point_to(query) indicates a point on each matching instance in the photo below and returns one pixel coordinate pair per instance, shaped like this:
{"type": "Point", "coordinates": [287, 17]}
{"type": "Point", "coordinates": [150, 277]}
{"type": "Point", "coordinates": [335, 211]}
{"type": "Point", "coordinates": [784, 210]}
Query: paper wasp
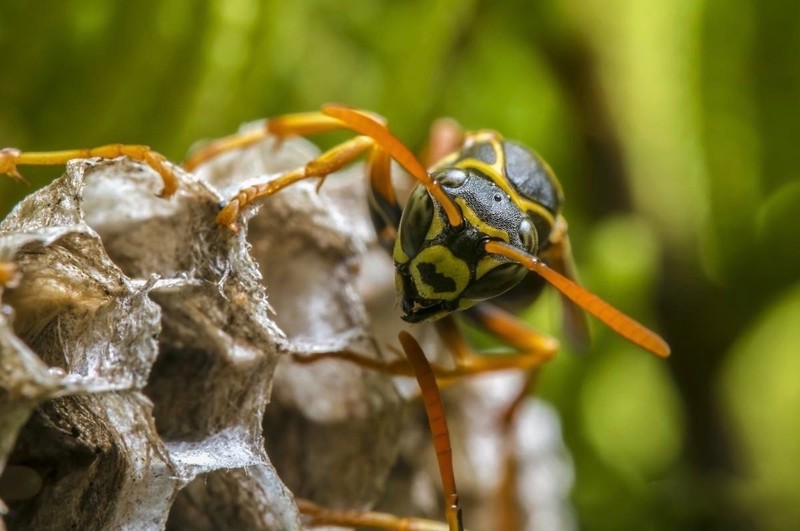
{"type": "Point", "coordinates": [481, 233]}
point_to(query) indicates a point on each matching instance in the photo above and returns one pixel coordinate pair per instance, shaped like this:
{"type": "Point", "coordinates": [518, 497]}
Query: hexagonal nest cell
{"type": "Point", "coordinates": [146, 373]}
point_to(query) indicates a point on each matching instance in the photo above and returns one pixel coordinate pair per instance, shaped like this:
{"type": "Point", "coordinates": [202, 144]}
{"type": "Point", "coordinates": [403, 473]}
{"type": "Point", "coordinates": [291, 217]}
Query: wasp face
{"type": "Point", "coordinates": [440, 268]}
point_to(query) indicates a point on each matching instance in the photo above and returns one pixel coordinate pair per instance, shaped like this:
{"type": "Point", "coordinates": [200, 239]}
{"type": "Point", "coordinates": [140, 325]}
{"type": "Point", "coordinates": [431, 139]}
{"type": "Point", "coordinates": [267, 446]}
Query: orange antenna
{"type": "Point", "coordinates": [615, 319]}
{"type": "Point", "coordinates": [438, 424]}
{"type": "Point", "coordinates": [366, 124]}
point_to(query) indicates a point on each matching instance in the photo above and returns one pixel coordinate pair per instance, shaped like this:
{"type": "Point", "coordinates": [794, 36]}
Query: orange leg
{"type": "Point", "coordinates": [10, 158]}
{"type": "Point", "coordinates": [383, 201]}
{"type": "Point", "coordinates": [533, 349]}
{"type": "Point", "coordinates": [384, 209]}
{"type": "Point", "coordinates": [327, 163]}
{"type": "Point", "coordinates": [301, 124]}
{"type": "Point", "coordinates": [397, 367]}
{"type": "Point", "coordinates": [321, 516]}
{"type": "Point", "coordinates": [537, 350]}
{"type": "Point", "coordinates": [332, 117]}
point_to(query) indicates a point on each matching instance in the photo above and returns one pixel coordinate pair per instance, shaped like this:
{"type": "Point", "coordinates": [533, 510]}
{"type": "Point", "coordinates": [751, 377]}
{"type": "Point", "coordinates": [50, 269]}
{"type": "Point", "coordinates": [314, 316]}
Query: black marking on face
{"type": "Point", "coordinates": [439, 282]}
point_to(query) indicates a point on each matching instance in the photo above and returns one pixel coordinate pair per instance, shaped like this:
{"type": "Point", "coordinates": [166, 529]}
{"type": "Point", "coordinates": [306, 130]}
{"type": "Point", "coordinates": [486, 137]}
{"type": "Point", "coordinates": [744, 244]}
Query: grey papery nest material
{"type": "Point", "coordinates": [138, 355]}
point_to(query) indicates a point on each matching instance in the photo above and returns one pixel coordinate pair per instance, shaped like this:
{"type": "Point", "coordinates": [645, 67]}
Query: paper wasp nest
{"type": "Point", "coordinates": [139, 344]}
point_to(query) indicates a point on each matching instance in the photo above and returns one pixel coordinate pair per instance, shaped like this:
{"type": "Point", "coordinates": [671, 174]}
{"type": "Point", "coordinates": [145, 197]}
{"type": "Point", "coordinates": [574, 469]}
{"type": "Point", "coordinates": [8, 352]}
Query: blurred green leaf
{"type": "Point", "coordinates": [758, 386]}
{"type": "Point", "coordinates": [632, 414]}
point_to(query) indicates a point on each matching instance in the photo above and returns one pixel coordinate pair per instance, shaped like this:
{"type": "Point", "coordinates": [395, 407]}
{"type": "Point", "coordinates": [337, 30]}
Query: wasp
{"type": "Point", "coordinates": [480, 234]}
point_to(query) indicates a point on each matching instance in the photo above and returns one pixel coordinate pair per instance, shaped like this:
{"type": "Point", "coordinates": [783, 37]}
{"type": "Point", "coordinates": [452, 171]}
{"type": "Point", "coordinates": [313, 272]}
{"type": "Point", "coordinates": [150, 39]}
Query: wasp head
{"type": "Point", "coordinates": [441, 268]}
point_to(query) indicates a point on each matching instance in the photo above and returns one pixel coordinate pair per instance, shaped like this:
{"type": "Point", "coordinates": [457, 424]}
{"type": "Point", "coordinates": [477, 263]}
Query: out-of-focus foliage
{"type": "Point", "coordinates": [765, 363]}
{"type": "Point", "coordinates": [672, 124]}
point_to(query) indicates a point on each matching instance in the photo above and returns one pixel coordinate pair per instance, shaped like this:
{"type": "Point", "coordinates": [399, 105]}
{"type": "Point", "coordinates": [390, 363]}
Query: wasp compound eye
{"type": "Point", "coordinates": [528, 235]}
{"type": "Point", "coordinates": [416, 220]}
{"type": "Point", "coordinates": [451, 177]}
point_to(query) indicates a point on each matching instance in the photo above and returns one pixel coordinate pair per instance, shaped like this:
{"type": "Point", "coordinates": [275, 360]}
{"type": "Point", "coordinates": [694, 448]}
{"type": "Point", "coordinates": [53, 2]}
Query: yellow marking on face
{"type": "Point", "coordinates": [436, 228]}
{"type": "Point", "coordinates": [486, 264]}
{"type": "Point", "coordinates": [444, 267]}
{"type": "Point", "coordinates": [398, 254]}
{"type": "Point", "coordinates": [478, 223]}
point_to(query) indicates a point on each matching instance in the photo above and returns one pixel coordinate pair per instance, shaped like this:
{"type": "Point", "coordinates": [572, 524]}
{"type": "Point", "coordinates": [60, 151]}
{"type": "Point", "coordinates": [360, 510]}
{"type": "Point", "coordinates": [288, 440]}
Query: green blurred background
{"type": "Point", "coordinates": [671, 123]}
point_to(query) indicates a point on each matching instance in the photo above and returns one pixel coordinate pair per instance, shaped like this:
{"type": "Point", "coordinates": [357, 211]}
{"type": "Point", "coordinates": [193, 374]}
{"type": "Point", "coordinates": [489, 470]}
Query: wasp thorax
{"type": "Point", "coordinates": [440, 268]}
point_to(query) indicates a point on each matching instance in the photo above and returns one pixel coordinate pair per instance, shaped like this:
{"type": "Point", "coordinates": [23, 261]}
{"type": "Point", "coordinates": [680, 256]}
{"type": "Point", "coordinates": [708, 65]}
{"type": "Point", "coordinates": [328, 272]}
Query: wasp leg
{"type": "Point", "coordinates": [321, 516]}
{"type": "Point", "coordinates": [384, 209]}
{"type": "Point", "coordinates": [397, 367]}
{"type": "Point", "coordinates": [300, 124]}
{"type": "Point", "coordinates": [329, 162]}
{"type": "Point", "coordinates": [10, 158]}
{"type": "Point", "coordinates": [8, 164]}
{"type": "Point", "coordinates": [534, 349]}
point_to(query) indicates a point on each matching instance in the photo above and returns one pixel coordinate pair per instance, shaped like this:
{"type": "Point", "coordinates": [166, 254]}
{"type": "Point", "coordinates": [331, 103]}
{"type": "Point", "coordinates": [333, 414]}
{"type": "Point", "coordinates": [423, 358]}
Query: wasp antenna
{"type": "Point", "coordinates": [368, 124]}
{"type": "Point", "coordinates": [613, 318]}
